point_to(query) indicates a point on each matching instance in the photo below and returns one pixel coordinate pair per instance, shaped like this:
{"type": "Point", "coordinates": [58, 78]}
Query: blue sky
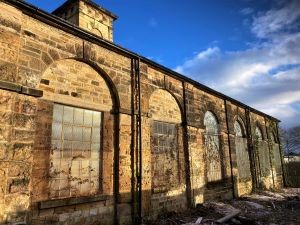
{"type": "Point", "coordinates": [247, 49]}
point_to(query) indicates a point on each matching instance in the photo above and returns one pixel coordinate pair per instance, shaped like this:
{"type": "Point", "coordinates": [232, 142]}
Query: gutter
{"type": "Point", "coordinates": [62, 24]}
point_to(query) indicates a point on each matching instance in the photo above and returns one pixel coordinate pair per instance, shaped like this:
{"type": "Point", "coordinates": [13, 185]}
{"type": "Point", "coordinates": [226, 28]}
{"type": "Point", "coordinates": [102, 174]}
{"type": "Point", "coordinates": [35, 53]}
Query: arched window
{"type": "Point", "coordinates": [273, 137]}
{"type": "Point", "coordinates": [242, 156]}
{"type": "Point", "coordinates": [238, 130]}
{"type": "Point", "coordinates": [258, 134]}
{"type": "Point", "coordinates": [166, 141]}
{"type": "Point", "coordinates": [211, 123]}
{"type": "Point", "coordinates": [212, 144]}
{"type": "Point", "coordinates": [75, 126]}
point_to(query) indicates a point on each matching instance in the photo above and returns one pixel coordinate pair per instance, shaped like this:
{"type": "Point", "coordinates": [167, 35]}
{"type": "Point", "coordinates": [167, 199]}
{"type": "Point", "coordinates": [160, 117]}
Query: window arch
{"type": "Point", "coordinates": [74, 141]}
{"type": "Point", "coordinates": [166, 141]}
{"type": "Point", "coordinates": [273, 137]}
{"type": "Point", "coordinates": [212, 145]}
{"type": "Point", "coordinates": [211, 123]}
{"type": "Point", "coordinates": [238, 129]}
{"type": "Point", "coordinates": [258, 134]}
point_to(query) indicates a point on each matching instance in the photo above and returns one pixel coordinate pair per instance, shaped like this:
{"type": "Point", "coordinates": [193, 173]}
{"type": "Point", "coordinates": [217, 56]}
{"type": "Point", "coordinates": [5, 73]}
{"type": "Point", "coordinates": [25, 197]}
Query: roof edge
{"type": "Point", "coordinates": [60, 23]}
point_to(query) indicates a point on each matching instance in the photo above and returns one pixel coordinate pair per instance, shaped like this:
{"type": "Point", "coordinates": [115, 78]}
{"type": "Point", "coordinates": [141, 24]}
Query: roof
{"type": "Point", "coordinates": [90, 2]}
{"type": "Point", "coordinates": [62, 24]}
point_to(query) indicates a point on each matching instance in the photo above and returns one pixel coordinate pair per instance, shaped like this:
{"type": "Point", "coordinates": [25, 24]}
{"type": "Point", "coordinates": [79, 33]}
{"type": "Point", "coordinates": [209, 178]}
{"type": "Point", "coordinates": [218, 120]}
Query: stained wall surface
{"type": "Point", "coordinates": [110, 166]}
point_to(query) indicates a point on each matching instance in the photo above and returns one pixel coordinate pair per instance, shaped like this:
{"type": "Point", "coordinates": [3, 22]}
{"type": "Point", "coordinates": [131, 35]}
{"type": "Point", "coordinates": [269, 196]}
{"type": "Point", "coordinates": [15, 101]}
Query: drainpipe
{"type": "Point", "coordinates": [281, 157]}
{"type": "Point", "coordinates": [136, 143]}
{"type": "Point", "coordinates": [189, 191]}
{"type": "Point", "coordinates": [252, 155]}
{"type": "Point", "coordinates": [269, 146]}
{"type": "Point", "coordinates": [229, 146]}
{"type": "Point", "coordinates": [140, 140]}
{"type": "Point", "coordinates": [133, 145]}
{"type": "Point", "coordinates": [116, 163]}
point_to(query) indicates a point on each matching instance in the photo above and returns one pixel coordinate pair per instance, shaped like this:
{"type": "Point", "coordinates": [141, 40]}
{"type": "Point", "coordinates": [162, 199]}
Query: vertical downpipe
{"type": "Point", "coordinates": [251, 150]}
{"type": "Point", "coordinates": [270, 150]}
{"type": "Point", "coordinates": [188, 178]}
{"type": "Point", "coordinates": [140, 144]}
{"type": "Point", "coordinates": [229, 146]}
{"type": "Point", "coordinates": [116, 111]}
{"type": "Point", "coordinates": [281, 157]}
{"type": "Point", "coordinates": [133, 144]}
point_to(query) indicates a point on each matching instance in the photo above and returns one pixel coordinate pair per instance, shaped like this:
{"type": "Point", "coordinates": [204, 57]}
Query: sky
{"type": "Point", "coordinates": [246, 49]}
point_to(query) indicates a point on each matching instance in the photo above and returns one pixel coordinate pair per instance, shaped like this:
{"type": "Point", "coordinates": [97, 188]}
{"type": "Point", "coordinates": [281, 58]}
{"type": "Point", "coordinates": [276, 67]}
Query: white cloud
{"type": "Point", "coordinates": [276, 20]}
{"type": "Point", "coordinates": [247, 11]}
{"type": "Point", "coordinates": [267, 74]}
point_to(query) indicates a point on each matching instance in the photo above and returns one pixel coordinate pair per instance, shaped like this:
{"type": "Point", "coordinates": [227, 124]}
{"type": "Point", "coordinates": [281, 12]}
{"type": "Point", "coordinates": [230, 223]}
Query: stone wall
{"type": "Point", "coordinates": [18, 125]}
{"type": "Point", "coordinates": [78, 72]}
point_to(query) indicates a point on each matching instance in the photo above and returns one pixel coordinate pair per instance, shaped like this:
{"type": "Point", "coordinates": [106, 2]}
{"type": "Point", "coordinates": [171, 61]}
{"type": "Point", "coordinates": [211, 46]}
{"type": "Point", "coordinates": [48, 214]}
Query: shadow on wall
{"type": "Point", "coordinates": [292, 172]}
{"type": "Point", "coordinates": [98, 213]}
{"type": "Point", "coordinates": [17, 217]}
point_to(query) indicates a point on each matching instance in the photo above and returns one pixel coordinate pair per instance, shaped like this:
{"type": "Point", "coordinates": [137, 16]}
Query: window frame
{"type": "Point", "coordinates": [165, 187]}
{"type": "Point", "coordinates": [99, 192]}
{"type": "Point", "coordinates": [216, 133]}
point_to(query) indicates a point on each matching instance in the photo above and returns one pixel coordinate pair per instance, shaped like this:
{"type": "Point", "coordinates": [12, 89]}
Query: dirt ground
{"type": "Point", "coordinates": [260, 208]}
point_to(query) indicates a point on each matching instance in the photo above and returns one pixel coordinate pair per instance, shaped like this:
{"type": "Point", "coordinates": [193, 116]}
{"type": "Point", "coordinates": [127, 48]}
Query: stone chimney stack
{"type": "Point", "coordinates": [89, 16]}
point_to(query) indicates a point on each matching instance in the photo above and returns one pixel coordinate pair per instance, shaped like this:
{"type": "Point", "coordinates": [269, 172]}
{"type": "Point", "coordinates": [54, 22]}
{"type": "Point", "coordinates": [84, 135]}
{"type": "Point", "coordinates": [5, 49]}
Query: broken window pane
{"type": "Point", "coordinates": [75, 145]}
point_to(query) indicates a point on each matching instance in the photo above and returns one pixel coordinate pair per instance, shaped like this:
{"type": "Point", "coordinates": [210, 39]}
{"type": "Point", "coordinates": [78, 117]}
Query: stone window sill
{"type": "Point", "coordinates": [71, 201]}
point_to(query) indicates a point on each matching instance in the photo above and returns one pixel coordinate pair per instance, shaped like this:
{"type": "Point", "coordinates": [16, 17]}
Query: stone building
{"type": "Point", "coordinates": [92, 133]}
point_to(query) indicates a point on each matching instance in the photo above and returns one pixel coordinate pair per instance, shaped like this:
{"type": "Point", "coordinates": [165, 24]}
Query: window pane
{"type": "Point", "coordinates": [88, 117]}
{"type": "Point", "coordinates": [56, 131]}
{"type": "Point", "coordinates": [67, 133]}
{"type": "Point", "coordinates": [57, 113]}
{"type": "Point", "coordinates": [87, 134]}
{"type": "Point", "coordinates": [68, 114]}
{"type": "Point", "coordinates": [77, 133]}
{"type": "Point", "coordinates": [76, 150]}
{"type": "Point", "coordinates": [95, 148]}
{"type": "Point", "coordinates": [96, 135]}
{"type": "Point", "coordinates": [78, 116]}
{"type": "Point", "coordinates": [96, 119]}
{"type": "Point", "coordinates": [67, 151]}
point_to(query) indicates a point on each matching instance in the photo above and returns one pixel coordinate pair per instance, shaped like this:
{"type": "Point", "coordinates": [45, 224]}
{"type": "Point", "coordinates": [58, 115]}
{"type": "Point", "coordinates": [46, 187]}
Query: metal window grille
{"type": "Point", "coordinates": [164, 155]}
{"type": "Point", "coordinates": [75, 152]}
